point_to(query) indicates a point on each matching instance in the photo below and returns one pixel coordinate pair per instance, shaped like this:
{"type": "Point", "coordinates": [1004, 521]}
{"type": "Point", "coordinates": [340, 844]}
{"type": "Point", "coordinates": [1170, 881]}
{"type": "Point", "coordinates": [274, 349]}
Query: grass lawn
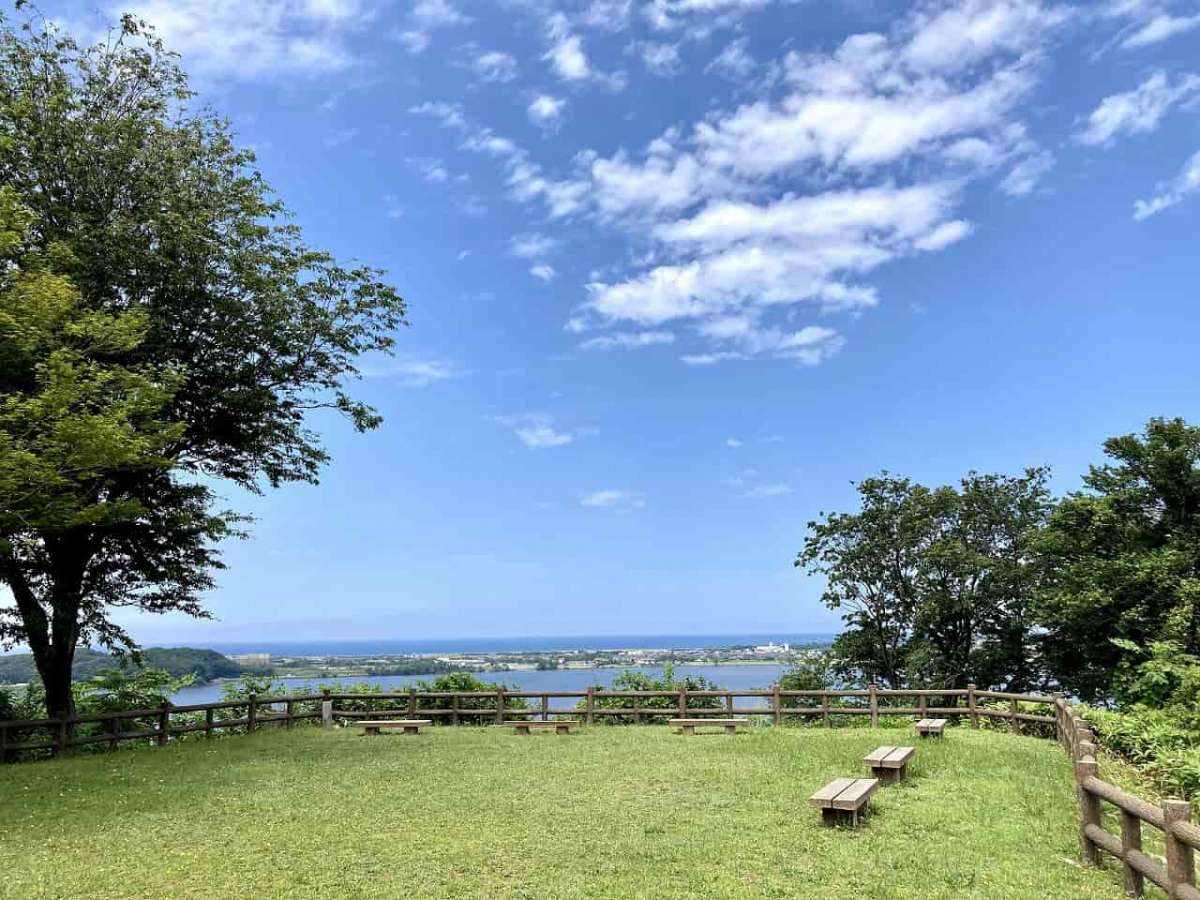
{"type": "Point", "coordinates": [608, 812]}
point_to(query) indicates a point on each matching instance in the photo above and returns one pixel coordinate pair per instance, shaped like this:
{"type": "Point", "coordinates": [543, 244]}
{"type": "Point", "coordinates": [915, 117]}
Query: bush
{"type": "Point", "coordinates": [641, 681]}
{"type": "Point", "coordinates": [454, 682]}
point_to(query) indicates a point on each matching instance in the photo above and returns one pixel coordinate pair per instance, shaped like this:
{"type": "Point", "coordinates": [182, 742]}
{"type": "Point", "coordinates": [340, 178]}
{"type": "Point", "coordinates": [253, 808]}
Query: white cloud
{"type": "Point", "coordinates": [1024, 176]}
{"type": "Point", "coordinates": [492, 65]}
{"type": "Point", "coordinates": [543, 272]}
{"type": "Point", "coordinates": [944, 235]}
{"type": "Point", "coordinates": [539, 436]}
{"type": "Point", "coordinates": [568, 58]}
{"type": "Point", "coordinates": [732, 442]}
{"type": "Point", "coordinates": [255, 41]}
{"type": "Point", "coordinates": [660, 59]}
{"type": "Point", "coordinates": [1139, 110]}
{"type": "Point", "coordinates": [625, 340]}
{"type": "Point", "coordinates": [413, 41]}
{"type": "Point", "coordinates": [612, 499]}
{"type": "Point", "coordinates": [1187, 182]}
{"type": "Point", "coordinates": [734, 61]}
{"type": "Point", "coordinates": [532, 246]}
{"type": "Point", "coordinates": [765, 491]}
{"type": "Point", "coordinates": [430, 168]}
{"type": "Point", "coordinates": [952, 37]}
{"type": "Point", "coordinates": [537, 431]}
{"type": "Point", "coordinates": [1160, 28]}
{"type": "Point", "coordinates": [607, 15]}
{"type": "Point", "coordinates": [545, 111]}
{"type": "Point", "coordinates": [412, 371]}
{"type": "Point", "coordinates": [392, 206]}
{"type": "Point", "coordinates": [438, 14]}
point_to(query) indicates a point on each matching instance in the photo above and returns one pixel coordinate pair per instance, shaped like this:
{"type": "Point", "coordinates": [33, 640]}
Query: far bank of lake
{"type": "Point", "coordinates": [731, 677]}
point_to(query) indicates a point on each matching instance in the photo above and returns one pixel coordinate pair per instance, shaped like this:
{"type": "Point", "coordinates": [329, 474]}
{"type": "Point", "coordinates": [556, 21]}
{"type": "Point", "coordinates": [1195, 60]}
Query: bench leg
{"type": "Point", "coordinates": [829, 817]}
{"type": "Point", "coordinates": [412, 729]}
{"type": "Point", "coordinates": [687, 729]}
{"type": "Point", "coordinates": [562, 729]}
{"type": "Point", "coordinates": [367, 731]}
{"type": "Point", "coordinates": [731, 729]}
{"type": "Point", "coordinates": [521, 729]}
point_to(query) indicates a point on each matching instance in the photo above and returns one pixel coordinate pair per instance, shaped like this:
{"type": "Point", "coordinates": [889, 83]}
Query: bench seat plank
{"type": "Point", "coordinates": [899, 757]}
{"type": "Point", "coordinates": [825, 796]}
{"type": "Point", "coordinates": [856, 795]}
{"type": "Point", "coordinates": [707, 721]}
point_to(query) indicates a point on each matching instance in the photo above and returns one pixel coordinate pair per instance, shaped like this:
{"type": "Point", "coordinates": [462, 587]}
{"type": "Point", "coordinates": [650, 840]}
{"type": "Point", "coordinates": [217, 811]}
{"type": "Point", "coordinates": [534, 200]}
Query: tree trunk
{"type": "Point", "coordinates": [54, 667]}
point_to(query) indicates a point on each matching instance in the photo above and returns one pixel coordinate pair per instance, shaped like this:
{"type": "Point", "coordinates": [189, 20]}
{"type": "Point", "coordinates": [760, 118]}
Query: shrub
{"type": "Point", "coordinates": [642, 681]}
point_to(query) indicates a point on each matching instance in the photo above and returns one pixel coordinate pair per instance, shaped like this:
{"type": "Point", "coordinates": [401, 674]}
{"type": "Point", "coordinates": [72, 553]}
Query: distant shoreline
{"type": "Point", "coordinates": [659, 643]}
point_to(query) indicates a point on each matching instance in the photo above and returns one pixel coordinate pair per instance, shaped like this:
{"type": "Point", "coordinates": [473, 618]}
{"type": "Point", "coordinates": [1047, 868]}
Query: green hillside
{"type": "Point", "coordinates": [206, 665]}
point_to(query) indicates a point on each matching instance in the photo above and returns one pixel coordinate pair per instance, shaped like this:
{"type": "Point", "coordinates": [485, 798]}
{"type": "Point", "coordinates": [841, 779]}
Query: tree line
{"type": "Point", "coordinates": [994, 581]}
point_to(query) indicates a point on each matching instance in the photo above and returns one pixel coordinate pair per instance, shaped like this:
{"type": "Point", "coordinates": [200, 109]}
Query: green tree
{"type": "Point", "coordinates": [870, 561]}
{"type": "Point", "coordinates": [935, 583]}
{"type": "Point", "coordinates": [163, 328]}
{"type": "Point", "coordinates": [1123, 558]}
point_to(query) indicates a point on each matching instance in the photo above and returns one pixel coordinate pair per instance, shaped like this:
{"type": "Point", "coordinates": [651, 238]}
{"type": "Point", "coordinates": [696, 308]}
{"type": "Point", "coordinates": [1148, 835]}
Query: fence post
{"type": "Point", "coordinates": [874, 704]}
{"type": "Point", "coordinates": [683, 703]}
{"type": "Point", "coordinates": [455, 707]}
{"type": "Point", "coordinates": [252, 713]}
{"type": "Point", "coordinates": [60, 737]}
{"type": "Point", "coordinates": [1060, 730]}
{"type": "Point", "coordinates": [972, 704]}
{"type": "Point", "coordinates": [729, 706]}
{"type": "Point", "coordinates": [3, 743]}
{"type": "Point", "coordinates": [591, 705]}
{"type": "Point", "coordinates": [114, 731]}
{"type": "Point", "coordinates": [778, 705]}
{"type": "Point", "coordinates": [1014, 724]}
{"type": "Point", "coordinates": [545, 708]}
{"type": "Point", "coordinates": [499, 706]}
{"type": "Point", "coordinates": [164, 723]}
{"type": "Point", "coordinates": [922, 705]}
{"type": "Point", "coordinates": [412, 703]}
{"type": "Point", "coordinates": [1089, 810]}
{"type": "Point", "coordinates": [208, 722]}
{"type": "Point", "coordinates": [287, 711]}
{"type": "Point", "coordinates": [825, 709]}
{"type": "Point", "coordinates": [1181, 867]}
{"type": "Point", "coordinates": [1131, 839]}
{"type": "Point", "coordinates": [326, 709]}
{"type": "Point", "coordinates": [637, 710]}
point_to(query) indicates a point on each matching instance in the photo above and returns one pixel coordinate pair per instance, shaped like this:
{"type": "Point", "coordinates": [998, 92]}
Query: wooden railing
{"type": "Point", "coordinates": [1175, 875]}
{"type": "Point", "coordinates": [153, 725]}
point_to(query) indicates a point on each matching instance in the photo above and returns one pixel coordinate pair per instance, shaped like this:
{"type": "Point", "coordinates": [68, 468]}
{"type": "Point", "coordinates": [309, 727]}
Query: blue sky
{"type": "Point", "coordinates": [681, 270]}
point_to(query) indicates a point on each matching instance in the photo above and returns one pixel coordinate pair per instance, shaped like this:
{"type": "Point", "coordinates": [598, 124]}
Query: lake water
{"type": "Point", "coordinates": [728, 677]}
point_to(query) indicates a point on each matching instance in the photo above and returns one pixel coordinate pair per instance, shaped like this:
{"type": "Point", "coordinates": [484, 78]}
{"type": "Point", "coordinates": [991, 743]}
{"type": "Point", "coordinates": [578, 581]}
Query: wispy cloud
{"type": "Point", "coordinates": [538, 430]}
{"type": "Point", "coordinates": [1137, 111]}
{"type": "Point", "coordinates": [1187, 182]}
{"type": "Point", "coordinates": [612, 498]}
{"type": "Point", "coordinates": [624, 340]}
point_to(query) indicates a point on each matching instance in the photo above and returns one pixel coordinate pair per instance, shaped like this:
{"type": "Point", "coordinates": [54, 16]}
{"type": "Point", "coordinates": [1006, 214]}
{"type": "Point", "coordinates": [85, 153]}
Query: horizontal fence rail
{"type": "Point", "coordinates": [161, 723]}
{"type": "Point", "coordinates": [1174, 873]}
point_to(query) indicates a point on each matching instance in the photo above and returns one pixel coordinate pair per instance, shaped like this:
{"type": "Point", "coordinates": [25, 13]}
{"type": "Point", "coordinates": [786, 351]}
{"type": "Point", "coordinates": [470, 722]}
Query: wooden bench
{"type": "Point", "coordinates": [562, 726]}
{"type": "Point", "coordinates": [409, 726]}
{"type": "Point", "coordinates": [889, 763]}
{"type": "Point", "coordinates": [689, 726]}
{"type": "Point", "coordinates": [844, 796]}
{"type": "Point", "coordinates": [935, 727]}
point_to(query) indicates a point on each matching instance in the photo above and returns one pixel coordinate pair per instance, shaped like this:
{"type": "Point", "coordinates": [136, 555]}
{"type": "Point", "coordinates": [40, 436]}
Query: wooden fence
{"type": "Point", "coordinates": [1176, 875]}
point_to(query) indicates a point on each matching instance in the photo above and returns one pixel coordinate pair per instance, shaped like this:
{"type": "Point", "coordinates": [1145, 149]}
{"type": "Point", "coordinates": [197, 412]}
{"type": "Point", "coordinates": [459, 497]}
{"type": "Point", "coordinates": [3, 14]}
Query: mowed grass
{"type": "Point", "coordinates": [607, 812]}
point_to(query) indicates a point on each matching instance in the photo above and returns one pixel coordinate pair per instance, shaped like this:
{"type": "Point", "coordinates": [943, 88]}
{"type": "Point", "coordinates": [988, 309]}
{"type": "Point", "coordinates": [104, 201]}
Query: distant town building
{"type": "Point", "coordinates": [772, 647]}
{"type": "Point", "coordinates": [255, 660]}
